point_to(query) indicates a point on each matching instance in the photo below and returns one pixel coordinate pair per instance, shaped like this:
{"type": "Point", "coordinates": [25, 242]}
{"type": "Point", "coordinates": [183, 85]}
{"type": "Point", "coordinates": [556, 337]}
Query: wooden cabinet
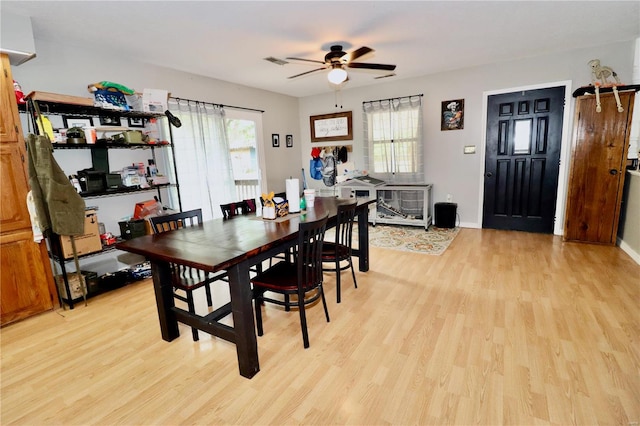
{"type": "Point", "coordinates": [26, 281]}
{"type": "Point", "coordinates": [598, 161]}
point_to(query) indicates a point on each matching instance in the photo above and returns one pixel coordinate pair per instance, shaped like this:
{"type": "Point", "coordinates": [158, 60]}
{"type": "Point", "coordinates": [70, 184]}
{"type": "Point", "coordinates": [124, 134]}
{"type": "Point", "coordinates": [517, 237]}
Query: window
{"type": "Point", "coordinates": [393, 131]}
{"type": "Point", "coordinates": [217, 155]}
{"type": "Point", "coordinates": [243, 130]}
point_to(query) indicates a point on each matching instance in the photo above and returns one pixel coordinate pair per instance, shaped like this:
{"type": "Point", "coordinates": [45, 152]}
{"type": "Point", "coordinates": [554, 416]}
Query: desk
{"type": "Point", "coordinates": [233, 245]}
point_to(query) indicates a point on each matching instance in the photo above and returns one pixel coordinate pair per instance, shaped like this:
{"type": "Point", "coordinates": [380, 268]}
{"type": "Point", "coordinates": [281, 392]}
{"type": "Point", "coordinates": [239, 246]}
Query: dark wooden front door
{"type": "Point", "coordinates": [524, 134]}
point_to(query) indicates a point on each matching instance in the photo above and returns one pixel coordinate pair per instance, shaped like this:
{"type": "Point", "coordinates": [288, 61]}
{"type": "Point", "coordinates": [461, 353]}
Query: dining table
{"type": "Point", "coordinates": [233, 245]}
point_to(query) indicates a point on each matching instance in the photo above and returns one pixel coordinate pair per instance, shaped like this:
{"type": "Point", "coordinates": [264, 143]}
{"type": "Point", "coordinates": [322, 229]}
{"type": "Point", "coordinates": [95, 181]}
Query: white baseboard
{"type": "Point", "coordinates": [630, 251]}
{"type": "Point", "coordinates": [469, 225]}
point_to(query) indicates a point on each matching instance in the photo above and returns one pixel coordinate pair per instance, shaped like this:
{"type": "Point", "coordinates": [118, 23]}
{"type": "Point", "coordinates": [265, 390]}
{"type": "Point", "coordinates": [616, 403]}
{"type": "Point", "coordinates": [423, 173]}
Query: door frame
{"type": "Point", "coordinates": [565, 148]}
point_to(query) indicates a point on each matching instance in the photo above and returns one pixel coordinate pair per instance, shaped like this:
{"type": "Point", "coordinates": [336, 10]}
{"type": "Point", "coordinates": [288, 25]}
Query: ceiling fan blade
{"type": "Point", "coordinates": [308, 72]}
{"type": "Point", "coordinates": [364, 65]}
{"type": "Point", "coordinates": [393, 74]}
{"type": "Point", "coordinates": [306, 60]}
{"type": "Point", "coordinates": [357, 53]}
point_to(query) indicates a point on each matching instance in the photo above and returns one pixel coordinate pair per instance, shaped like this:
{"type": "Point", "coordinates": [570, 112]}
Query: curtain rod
{"type": "Point", "coordinates": [214, 104]}
{"type": "Point", "coordinates": [393, 99]}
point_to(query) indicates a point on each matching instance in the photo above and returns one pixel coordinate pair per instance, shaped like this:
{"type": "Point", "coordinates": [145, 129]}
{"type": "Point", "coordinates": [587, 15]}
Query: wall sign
{"type": "Point", "coordinates": [331, 127]}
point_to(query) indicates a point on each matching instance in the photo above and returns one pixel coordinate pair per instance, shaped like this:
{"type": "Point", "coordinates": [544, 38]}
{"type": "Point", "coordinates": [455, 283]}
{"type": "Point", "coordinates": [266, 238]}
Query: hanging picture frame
{"type": "Point", "coordinates": [135, 121]}
{"type": "Point", "coordinates": [289, 141]}
{"type": "Point", "coordinates": [275, 140]}
{"type": "Point", "coordinates": [76, 121]}
{"type": "Point", "coordinates": [110, 120]}
{"type": "Point", "coordinates": [331, 127]}
{"type": "Point", "coordinates": [452, 115]}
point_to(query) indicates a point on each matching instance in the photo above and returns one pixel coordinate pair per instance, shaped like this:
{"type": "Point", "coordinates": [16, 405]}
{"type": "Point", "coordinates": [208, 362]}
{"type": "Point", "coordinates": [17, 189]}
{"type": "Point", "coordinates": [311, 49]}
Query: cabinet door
{"type": "Point", "coordinates": [601, 141]}
{"type": "Point", "coordinates": [26, 281]}
{"type": "Point", "coordinates": [8, 121]}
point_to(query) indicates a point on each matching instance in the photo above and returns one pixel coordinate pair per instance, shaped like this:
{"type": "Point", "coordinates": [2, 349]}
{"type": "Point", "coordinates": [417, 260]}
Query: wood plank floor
{"type": "Point", "coordinates": [503, 328]}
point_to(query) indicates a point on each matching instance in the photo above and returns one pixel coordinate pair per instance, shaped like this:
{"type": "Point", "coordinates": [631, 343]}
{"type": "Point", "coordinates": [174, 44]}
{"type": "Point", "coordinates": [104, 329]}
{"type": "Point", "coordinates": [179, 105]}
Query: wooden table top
{"type": "Point", "coordinates": [218, 244]}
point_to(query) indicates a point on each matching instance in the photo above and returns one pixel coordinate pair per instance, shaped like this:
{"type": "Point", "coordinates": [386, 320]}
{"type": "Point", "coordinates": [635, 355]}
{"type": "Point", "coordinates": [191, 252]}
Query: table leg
{"type": "Point", "coordinates": [161, 273]}
{"type": "Point", "coordinates": [363, 239]}
{"type": "Point", "coordinates": [243, 322]}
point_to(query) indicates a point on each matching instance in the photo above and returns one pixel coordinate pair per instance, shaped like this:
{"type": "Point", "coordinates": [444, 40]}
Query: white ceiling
{"type": "Point", "coordinates": [228, 40]}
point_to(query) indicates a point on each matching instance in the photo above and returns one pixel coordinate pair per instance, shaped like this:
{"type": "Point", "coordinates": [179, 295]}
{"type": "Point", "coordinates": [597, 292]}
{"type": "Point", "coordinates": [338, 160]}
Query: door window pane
{"type": "Point", "coordinates": [522, 137]}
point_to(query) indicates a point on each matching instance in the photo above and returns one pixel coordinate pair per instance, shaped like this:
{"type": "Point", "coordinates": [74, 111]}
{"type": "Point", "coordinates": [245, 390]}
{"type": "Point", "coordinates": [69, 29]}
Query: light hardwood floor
{"type": "Point", "coordinates": [503, 328]}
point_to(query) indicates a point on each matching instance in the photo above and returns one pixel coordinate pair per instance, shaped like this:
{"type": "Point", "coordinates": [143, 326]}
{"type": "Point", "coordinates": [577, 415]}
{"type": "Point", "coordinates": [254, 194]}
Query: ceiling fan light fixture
{"type": "Point", "coordinates": [337, 75]}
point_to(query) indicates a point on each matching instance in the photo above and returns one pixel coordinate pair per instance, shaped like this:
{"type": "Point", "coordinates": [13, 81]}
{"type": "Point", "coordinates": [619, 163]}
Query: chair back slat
{"type": "Point", "coordinates": [344, 224]}
{"type": "Point", "coordinates": [310, 240]}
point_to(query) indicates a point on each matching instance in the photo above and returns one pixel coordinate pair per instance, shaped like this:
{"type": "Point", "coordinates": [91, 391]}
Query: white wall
{"type": "Point", "coordinates": [69, 70]}
{"type": "Point", "coordinates": [447, 168]}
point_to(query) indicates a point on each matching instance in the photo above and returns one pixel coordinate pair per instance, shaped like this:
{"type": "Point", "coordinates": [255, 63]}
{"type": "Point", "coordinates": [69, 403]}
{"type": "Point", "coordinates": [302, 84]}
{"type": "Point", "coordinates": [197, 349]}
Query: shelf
{"type": "Point", "coordinates": [120, 191]}
{"type": "Point", "coordinates": [108, 145]}
{"type": "Point", "coordinates": [590, 89]}
{"type": "Point", "coordinates": [56, 104]}
{"type": "Point", "coordinates": [105, 249]}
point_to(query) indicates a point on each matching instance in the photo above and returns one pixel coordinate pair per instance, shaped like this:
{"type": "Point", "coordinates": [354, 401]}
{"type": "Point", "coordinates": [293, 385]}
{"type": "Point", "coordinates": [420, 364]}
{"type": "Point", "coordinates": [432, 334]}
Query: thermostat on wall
{"type": "Point", "coordinates": [470, 149]}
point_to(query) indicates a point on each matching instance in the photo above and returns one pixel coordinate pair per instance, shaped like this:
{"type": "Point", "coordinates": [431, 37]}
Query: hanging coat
{"type": "Point", "coordinates": [58, 206]}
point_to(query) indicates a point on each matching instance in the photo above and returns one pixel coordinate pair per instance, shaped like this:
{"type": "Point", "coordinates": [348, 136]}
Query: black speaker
{"type": "Point", "coordinates": [446, 215]}
{"type": "Point", "coordinates": [100, 159]}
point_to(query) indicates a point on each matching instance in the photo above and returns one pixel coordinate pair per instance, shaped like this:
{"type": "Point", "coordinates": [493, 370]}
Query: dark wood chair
{"type": "Point", "coordinates": [249, 206]}
{"type": "Point", "coordinates": [186, 279]}
{"type": "Point", "coordinates": [340, 250]}
{"type": "Point", "coordinates": [232, 209]}
{"type": "Point", "coordinates": [302, 278]}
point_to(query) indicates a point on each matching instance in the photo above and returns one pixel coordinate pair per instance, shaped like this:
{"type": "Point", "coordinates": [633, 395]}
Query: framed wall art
{"type": "Point", "coordinates": [135, 121]}
{"type": "Point", "coordinates": [331, 127]}
{"type": "Point", "coordinates": [76, 121]}
{"type": "Point", "coordinates": [275, 140]}
{"type": "Point", "coordinates": [289, 140]}
{"type": "Point", "coordinates": [452, 114]}
{"type": "Point", "coordinates": [110, 120]}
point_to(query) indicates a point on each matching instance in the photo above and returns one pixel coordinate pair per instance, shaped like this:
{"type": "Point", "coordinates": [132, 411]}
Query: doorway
{"type": "Point", "coordinates": [523, 144]}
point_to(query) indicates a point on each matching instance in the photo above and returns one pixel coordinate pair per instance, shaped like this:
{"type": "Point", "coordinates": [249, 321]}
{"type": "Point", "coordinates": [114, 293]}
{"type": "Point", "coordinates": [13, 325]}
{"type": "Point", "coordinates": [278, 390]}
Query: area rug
{"type": "Point", "coordinates": [407, 238]}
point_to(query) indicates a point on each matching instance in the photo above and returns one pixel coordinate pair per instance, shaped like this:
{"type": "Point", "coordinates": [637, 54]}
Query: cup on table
{"type": "Point", "coordinates": [310, 197]}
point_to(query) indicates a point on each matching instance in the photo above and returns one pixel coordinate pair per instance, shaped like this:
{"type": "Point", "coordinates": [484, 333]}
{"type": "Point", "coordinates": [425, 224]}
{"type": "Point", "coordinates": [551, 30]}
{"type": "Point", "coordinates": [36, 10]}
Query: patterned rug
{"type": "Point", "coordinates": [412, 238]}
{"type": "Point", "coordinates": [406, 238]}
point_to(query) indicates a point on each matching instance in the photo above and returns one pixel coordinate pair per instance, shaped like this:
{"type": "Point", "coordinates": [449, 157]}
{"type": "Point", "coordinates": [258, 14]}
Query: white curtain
{"type": "Point", "coordinates": [203, 162]}
{"type": "Point", "coordinates": [393, 133]}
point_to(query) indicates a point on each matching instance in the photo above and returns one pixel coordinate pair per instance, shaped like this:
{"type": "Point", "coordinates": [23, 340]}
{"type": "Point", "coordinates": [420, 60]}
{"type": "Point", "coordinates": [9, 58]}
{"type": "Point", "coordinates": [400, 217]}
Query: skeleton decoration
{"type": "Point", "coordinates": [600, 78]}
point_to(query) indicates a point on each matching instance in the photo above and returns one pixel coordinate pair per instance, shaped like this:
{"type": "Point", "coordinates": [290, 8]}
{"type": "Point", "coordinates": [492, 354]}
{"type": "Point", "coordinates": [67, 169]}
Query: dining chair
{"type": "Point", "coordinates": [248, 206]}
{"type": "Point", "coordinates": [340, 250]}
{"type": "Point", "coordinates": [302, 278]}
{"type": "Point", "coordinates": [232, 209]}
{"type": "Point", "coordinates": [183, 278]}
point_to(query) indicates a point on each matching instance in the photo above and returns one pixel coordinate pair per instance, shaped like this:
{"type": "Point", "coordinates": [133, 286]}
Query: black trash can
{"type": "Point", "coordinates": [446, 215]}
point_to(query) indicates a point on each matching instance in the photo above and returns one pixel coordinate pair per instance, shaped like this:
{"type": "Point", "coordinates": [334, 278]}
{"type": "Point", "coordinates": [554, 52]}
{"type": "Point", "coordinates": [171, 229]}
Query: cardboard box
{"type": "Point", "coordinates": [87, 243]}
{"type": "Point", "coordinates": [75, 287]}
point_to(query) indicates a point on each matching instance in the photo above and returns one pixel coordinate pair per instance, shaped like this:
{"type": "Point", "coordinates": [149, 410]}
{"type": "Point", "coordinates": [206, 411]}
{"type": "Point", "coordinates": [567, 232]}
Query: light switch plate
{"type": "Point", "coordinates": [470, 149]}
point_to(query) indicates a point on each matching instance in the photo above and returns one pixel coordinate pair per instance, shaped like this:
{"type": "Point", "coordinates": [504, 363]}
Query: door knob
{"type": "Point", "coordinates": [613, 172]}
{"type": "Point", "coordinates": [489, 174]}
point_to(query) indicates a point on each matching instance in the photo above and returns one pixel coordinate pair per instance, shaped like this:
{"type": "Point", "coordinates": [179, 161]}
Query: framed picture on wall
{"type": "Point", "coordinates": [289, 140]}
{"type": "Point", "coordinates": [135, 121]}
{"type": "Point", "coordinates": [275, 140]}
{"type": "Point", "coordinates": [452, 114]}
{"type": "Point", "coordinates": [109, 120]}
{"type": "Point", "coordinates": [76, 121]}
{"type": "Point", "coordinates": [331, 127]}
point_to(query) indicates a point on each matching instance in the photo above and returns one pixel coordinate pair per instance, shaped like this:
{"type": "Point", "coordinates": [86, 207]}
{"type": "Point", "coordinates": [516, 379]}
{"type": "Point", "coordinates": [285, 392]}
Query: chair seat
{"type": "Point", "coordinates": [194, 279]}
{"type": "Point", "coordinates": [282, 277]}
{"type": "Point", "coordinates": [331, 251]}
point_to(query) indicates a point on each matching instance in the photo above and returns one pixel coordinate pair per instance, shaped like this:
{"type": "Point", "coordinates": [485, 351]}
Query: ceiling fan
{"type": "Point", "coordinates": [337, 60]}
